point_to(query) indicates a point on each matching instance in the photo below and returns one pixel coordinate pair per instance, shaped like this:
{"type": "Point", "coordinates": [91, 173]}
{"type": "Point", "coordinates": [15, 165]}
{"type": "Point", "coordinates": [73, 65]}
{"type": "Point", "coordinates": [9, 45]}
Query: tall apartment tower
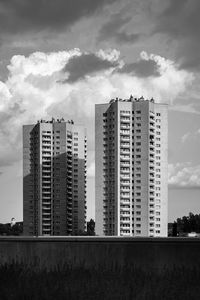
{"type": "Point", "coordinates": [131, 158]}
{"type": "Point", "coordinates": [54, 178]}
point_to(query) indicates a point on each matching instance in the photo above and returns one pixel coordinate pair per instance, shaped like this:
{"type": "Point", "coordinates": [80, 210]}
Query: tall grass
{"type": "Point", "coordinates": [20, 282]}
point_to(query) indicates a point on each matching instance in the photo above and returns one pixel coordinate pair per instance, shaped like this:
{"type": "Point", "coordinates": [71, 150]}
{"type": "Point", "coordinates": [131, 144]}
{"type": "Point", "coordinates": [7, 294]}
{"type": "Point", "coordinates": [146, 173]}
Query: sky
{"type": "Point", "coordinates": [59, 58]}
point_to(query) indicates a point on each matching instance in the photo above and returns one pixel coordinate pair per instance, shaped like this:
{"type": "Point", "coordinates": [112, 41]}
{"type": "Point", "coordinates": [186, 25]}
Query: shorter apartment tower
{"type": "Point", "coordinates": [131, 158]}
{"type": "Point", "coordinates": [54, 178]}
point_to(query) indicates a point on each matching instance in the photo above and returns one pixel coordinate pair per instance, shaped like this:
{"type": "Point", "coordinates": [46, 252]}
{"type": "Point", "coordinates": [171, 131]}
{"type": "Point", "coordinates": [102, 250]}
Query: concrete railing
{"type": "Point", "coordinates": [98, 252]}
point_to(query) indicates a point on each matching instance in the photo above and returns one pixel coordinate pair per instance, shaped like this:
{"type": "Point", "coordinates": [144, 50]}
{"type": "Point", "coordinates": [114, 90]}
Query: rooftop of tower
{"type": "Point", "coordinates": [131, 99]}
{"type": "Point", "coordinates": [53, 120]}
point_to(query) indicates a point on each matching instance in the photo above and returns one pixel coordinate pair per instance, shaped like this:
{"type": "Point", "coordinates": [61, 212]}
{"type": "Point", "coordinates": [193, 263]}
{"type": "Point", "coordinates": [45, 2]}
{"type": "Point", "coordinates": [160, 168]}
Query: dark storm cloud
{"type": "Point", "coordinates": [142, 68]}
{"type": "Point", "coordinates": [80, 66]}
{"type": "Point", "coordinates": [113, 30]}
{"type": "Point", "coordinates": [25, 15]}
{"type": "Point", "coordinates": [181, 22]}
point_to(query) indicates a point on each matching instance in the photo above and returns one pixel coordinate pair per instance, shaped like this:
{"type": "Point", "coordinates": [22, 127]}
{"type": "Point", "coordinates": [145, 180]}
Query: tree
{"type": "Point", "coordinates": [187, 224]}
{"type": "Point", "coordinates": [91, 227]}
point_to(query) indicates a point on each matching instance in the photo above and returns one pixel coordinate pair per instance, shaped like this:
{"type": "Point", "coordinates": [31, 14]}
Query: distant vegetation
{"type": "Point", "coordinates": [8, 229]}
{"type": "Point", "coordinates": [90, 229]}
{"type": "Point", "coordinates": [187, 224]}
{"type": "Point", "coordinates": [17, 229]}
{"type": "Point", "coordinates": [20, 282]}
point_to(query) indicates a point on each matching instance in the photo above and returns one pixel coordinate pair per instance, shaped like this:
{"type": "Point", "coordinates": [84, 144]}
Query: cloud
{"type": "Point", "coordinates": [169, 75]}
{"type": "Point", "coordinates": [146, 66]}
{"type": "Point", "coordinates": [88, 63]}
{"type": "Point", "coordinates": [188, 108]}
{"type": "Point", "coordinates": [184, 175]}
{"type": "Point", "coordinates": [188, 136]}
{"type": "Point", "coordinates": [185, 137]}
{"type": "Point", "coordinates": [180, 22]}
{"type": "Point", "coordinates": [113, 29]}
{"type": "Point", "coordinates": [36, 88]}
{"type": "Point", "coordinates": [28, 15]}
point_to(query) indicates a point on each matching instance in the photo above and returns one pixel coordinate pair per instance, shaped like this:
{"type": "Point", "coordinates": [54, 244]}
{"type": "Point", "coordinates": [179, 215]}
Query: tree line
{"type": "Point", "coordinates": [186, 224]}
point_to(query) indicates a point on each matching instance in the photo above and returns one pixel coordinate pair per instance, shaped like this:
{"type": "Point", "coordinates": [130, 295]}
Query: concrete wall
{"type": "Point", "coordinates": [97, 252]}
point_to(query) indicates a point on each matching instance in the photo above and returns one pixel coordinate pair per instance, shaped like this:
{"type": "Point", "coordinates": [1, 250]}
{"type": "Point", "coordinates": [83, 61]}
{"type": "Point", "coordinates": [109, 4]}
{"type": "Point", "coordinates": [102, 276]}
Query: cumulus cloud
{"type": "Point", "coordinates": [146, 66]}
{"type": "Point", "coordinates": [184, 175]}
{"type": "Point", "coordinates": [159, 86]}
{"type": "Point", "coordinates": [82, 65]}
{"type": "Point", "coordinates": [36, 88]}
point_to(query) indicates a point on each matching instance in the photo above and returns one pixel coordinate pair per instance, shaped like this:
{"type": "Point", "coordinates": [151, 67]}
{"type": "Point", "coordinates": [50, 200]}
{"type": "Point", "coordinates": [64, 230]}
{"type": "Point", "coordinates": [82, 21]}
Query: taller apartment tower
{"type": "Point", "coordinates": [131, 157]}
{"type": "Point", "coordinates": [54, 178]}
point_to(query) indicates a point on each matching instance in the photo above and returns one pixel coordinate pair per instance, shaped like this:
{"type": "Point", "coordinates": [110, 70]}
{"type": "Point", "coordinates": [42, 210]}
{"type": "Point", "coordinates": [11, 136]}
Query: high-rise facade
{"type": "Point", "coordinates": [54, 178]}
{"type": "Point", "coordinates": [131, 159]}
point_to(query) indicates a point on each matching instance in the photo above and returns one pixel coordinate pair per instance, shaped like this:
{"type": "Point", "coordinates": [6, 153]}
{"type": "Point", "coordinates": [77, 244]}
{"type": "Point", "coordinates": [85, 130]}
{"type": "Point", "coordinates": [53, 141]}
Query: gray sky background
{"type": "Point", "coordinates": [59, 58]}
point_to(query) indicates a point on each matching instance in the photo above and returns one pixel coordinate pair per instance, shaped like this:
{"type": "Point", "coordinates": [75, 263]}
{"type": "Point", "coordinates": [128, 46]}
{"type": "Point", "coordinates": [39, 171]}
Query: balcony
{"type": "Point", "coordinates": [46, 224]}
{"type": "Point", "coordinates": [123, 145]}
{"type": "Point", "coordinates": [45, 213]}
{"type": "Point", "coordinates": [46, 208]}
{"type": "Point", "coordinates": [127, 222]}
{"type": "Point", "coordinates": [125, 133]}
{"type": "Point", "coordinates": [46, 229]}
{"type": "Point", "coordinates": [46, 154]}
{"type": "Point", "coordinates": [125, 201]}
{"type": "Point", "coordinates": [125, 210]}
{"type": "Point", "coordinates": [124, 158]}
{"type": "Point", "coordinates": [124, 139]}
{"type": "Point", "coordinates": [46, 193]}
{"type": "Point", "coordinates": [46, 203]}
{"type": "Point", "coordinates": [48, 182]}
{"type": "Point", "coordinates": [46, 172]}
{"type": "Point", "coordinates": [124, 127]}
{"type": "Point", "coordinates": [46, 138]}
{"type": "Point", "coordinates": [123, 171]}
{"type": "Point", "coordinates": [125, 114]}
{"type": "Point", "coordinates": [124, 183]}
{"type": "Point", "coordinates": [46, 219]}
